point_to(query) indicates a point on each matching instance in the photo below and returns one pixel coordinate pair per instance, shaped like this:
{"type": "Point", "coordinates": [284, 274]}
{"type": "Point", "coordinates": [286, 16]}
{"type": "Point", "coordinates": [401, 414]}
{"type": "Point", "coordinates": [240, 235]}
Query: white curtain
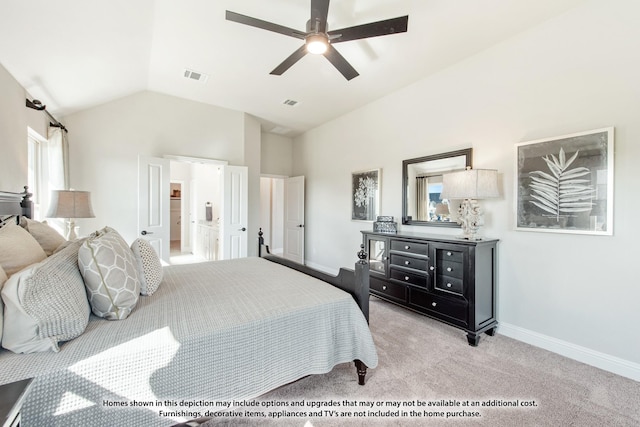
{"type": "Point", "coordinates": [58, 159]}
{"type": "Point", "coordinates": [422, 198]}
{"type": "Point", "coordinates": [55, 172]}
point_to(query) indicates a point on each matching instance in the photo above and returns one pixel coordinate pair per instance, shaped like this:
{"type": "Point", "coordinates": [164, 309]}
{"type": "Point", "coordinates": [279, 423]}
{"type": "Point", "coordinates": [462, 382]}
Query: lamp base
{"type": "Point", "coordinates": [70, 233]}
{"type": "Point", "coordinates": [470, 218]}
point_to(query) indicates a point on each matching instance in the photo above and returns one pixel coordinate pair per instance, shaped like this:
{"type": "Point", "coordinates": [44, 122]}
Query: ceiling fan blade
{"type": "Point", "coordinates": [319, 12]}
{"type": "Point", "coordinates": [340, 63]}
{"type": "Point", "coordinates": [373, 29]}
{"type": "Point", "coordinates": [292, 59]}
{"type": "Point", "coordinates": [259, 23]}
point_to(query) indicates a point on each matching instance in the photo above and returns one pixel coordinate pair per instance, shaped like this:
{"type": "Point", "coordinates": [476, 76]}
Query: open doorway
{"type": "Point", "coordinates": [220, 186]}
{"type": "Point", "coordinates": [175, 218]}
{"type": "Point", "coordinates": [195, 214]}
{"type": "Point", "coordinates": [272, 213]}
{"type": "Point", "coordinates": [282, 216]}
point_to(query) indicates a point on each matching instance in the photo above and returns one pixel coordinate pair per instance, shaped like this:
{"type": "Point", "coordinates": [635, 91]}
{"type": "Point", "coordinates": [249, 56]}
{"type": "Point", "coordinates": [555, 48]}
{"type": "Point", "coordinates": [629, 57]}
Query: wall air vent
{"type": "Point", "coordinates": [195, 75]}
{"type": "Point", "coordinates": [290, 102]}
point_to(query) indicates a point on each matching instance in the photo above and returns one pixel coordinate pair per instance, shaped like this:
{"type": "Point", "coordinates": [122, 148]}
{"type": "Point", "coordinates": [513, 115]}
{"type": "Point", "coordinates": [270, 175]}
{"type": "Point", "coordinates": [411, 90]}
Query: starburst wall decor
{"type": "Point", "coordinates": [565, 184]}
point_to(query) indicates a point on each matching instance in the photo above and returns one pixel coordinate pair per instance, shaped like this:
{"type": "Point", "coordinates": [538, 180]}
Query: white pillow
{"type": "Point", "coordinates": [149, 266]}
{"type": "Point", "coordinates": [45, 304]}
{"type": "Point", "coordinates": [46, 236]}
{"type": "Point", "coordinates": [18, 249]}
{"type": "Point", "coordinates": [110, 274]}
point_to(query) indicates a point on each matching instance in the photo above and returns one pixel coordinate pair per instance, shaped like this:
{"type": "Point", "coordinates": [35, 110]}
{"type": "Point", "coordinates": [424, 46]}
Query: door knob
{"type": "Point", "coordinates": [145, 232]}
{"type": "Point", "coordinates": [300, 225]}
{"type": "Point", "coordinates": [242, 229]}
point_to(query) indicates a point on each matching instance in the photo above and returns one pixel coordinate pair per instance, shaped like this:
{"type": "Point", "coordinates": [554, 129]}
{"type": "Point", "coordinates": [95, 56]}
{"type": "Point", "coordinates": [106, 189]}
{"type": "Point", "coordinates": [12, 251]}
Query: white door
{"type": "Point", "coordinates": [294, 219]}
{"type": "Point", "coordinates": [235, 216]}
{"type": "Point", "coordinates": [153, 203]}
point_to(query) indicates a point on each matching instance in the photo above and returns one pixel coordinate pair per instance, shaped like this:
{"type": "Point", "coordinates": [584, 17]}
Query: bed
{"type": "Point", "coordinates": [212, 332]}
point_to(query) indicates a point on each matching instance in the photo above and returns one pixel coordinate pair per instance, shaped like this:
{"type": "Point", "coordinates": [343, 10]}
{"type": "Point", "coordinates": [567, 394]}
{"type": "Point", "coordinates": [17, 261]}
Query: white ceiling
{"type": "Point", "coordinates": [75, 54]}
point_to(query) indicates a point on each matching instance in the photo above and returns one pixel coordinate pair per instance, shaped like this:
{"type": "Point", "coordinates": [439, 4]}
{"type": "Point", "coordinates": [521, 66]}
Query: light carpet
{"type": "Point", "coordinates": [422, 361]}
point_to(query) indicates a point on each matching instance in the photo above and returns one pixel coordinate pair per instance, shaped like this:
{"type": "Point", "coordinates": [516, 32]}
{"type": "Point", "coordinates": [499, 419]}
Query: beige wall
{"type": "Point", "coordinates": [574, 294]}
{"type": "Point", "coordinates": [105, 142]}
{"type": "Point", "coordinates": [15, 118]}
{"type": "Point", "coordinates": [277, 155]}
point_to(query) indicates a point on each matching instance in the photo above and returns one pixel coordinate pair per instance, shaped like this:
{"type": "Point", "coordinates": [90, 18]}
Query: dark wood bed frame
{"type": "Point", "coordinates": [355, 282]}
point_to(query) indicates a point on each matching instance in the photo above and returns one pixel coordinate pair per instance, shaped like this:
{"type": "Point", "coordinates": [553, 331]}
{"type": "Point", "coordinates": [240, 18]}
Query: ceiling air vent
{"type": "Point", "coordinates": [290, 102]}
{"type": "Point", "coordinates": [281, 130]}
{"type": "Point", "coordinates": [195, 75]}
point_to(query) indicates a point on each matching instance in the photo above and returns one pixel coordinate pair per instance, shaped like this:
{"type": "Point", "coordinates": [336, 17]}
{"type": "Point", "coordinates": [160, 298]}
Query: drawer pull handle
{"type": "Point", "coordinates": [432, 268]}
{"type": "Point", "coordinates": [448, 253]}
{"type": "Point", "coordinates": [449, 269]}
{"type": "Point", "coordinates": [407, 247]}
{"type": "Point", "coordinates": [384, 287]}
{"type": "Point", "coordinates": [448, 285]}
{"type": "Point", "coordinates": [406, 278]}
{"type": "Point", "coordinates": [407, 263]}
{"type": "Point", "coordinates": [433, 304]}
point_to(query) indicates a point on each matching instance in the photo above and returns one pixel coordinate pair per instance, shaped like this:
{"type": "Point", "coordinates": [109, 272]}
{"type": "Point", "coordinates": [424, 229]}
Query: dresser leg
{"type": "Point", "coordinates": [491, 332]}
{"type": "Point", "coordinates": [473, 339]}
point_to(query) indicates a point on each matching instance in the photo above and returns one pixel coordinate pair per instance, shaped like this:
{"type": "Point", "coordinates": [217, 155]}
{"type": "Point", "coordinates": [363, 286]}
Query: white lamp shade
{"type": "Point", "coordinates": [470, 184]}
{"type": "Point", "coordinates": [70, 204]}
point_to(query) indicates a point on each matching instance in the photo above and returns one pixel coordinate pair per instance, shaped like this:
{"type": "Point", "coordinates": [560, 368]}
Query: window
{"type": "Point", "coordinates": [35, 170]}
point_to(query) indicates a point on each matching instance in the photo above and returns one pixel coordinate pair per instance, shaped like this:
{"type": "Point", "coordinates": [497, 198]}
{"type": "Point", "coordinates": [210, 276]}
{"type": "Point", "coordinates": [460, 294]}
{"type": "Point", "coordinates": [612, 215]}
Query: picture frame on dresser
{"type": "Point", "coordinates": [365, 195]}
{"type": "Point", "coordinates": [565, 183]}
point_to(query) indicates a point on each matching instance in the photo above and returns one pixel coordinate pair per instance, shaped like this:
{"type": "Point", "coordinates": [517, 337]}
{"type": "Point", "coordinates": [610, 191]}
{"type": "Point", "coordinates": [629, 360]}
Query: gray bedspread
{"type": "Point", "coordinates": [214, 331]}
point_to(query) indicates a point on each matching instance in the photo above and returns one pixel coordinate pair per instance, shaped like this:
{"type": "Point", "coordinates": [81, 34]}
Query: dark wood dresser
{"type": "Point", "coordinates": [447, 278]}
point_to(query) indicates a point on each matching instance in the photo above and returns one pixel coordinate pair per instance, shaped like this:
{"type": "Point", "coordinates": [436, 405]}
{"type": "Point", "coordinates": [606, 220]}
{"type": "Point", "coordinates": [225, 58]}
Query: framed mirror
{"type": "Point", "coordinates": [422, 185]}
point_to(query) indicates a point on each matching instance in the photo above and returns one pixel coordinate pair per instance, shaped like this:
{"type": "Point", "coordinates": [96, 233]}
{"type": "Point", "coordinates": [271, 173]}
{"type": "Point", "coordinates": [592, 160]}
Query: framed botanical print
{"type": "Point", "coordinates": [564, 184]}
{"type": "Point", "coordinates": [365, 195]}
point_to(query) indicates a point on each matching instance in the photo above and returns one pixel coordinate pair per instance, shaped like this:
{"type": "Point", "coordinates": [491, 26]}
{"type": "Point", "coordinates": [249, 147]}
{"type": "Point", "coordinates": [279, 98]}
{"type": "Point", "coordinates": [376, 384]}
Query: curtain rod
{"type": "Point", "coordinates": [37, 105]}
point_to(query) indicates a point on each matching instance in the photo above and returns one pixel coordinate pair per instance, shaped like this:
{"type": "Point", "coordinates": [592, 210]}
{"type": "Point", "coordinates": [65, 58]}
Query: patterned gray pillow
{"type": "Point", "coordinates": [149, 266]}
{"type": "Point", "coordinates": [110, 274]}
{"type": "Point", "coordinates": [45, 304]}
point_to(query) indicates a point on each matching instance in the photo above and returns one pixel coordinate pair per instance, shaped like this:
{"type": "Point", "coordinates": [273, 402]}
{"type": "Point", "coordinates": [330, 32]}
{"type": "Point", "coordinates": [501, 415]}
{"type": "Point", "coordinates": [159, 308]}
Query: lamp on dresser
{"type": "Point", "coordinates": [470, 185]}
{"type": "Point", "coordinates": [70, 204]}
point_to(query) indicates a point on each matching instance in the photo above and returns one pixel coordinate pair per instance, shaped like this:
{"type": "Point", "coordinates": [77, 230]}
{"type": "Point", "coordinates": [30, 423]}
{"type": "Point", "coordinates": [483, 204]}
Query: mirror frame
{"type": "Point", "coordinates": [467, 152]}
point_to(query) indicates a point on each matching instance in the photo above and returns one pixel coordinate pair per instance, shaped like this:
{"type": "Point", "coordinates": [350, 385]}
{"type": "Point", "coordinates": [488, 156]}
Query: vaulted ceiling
{"type": "Point", "coordinates": [76, 54]}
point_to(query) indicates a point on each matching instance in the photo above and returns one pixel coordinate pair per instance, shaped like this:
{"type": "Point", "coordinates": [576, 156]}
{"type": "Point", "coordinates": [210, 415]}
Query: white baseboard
{"type": "Point", "coordinates": [586, 355]}
{"type": "Point", "coordinates": [600, 360]}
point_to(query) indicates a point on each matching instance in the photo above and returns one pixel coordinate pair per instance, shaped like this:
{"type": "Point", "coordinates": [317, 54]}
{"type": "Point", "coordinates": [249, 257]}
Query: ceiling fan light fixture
{"type": "Point", "coordinates": [317, 44]}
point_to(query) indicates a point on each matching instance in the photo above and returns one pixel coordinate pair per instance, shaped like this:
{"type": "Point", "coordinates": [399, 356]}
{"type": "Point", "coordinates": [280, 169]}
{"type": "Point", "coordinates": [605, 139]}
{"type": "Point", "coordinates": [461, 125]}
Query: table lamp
{"type": "Point", "coordinates": [470, 185]}
{"type": "Point", "coordinates": [70, 204]}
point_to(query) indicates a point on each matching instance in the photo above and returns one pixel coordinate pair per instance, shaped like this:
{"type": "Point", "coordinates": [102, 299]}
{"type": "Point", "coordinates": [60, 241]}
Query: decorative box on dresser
{"type": "Point", "coordinates": [447, 278]}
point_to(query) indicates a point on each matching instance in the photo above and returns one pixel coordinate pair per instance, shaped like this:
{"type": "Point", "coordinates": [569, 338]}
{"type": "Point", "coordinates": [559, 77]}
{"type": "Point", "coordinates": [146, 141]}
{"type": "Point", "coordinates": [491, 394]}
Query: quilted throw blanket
{"type": "Point", "coordinates": [214, 331]}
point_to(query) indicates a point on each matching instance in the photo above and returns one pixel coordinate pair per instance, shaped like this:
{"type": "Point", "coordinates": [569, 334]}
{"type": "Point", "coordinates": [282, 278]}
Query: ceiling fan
{"type": "Point", "coordinates": [319, 40]}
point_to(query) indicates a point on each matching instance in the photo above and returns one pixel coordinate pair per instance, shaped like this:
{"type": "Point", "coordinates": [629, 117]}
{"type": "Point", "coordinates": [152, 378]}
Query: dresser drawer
{"type": "Point", "coordinates": [410, 247]}
{"type": "Point", "coordinates": [410, 278]}
{"type": "Point", "coordinates": [454, 310]}
{"type": "Point", "coordinates": [394, 291]}
{"type": "Point", "coordinates": [450, 268]}
{"type": "Point", "coordinates": [409, 262]}
{"type": "Point", "coordinates": [448, 255]}
{"type": "Point", "coordinates": [449, 284]}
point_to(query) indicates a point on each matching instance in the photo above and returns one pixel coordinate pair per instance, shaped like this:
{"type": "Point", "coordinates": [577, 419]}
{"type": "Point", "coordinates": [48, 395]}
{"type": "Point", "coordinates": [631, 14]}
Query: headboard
{"type": "Point", "coordinates": [16, 203]}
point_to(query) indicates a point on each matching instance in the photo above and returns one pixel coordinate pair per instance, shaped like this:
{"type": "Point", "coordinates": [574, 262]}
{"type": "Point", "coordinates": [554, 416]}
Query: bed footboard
{"type": "Point", "coordinates": [355, 282]}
